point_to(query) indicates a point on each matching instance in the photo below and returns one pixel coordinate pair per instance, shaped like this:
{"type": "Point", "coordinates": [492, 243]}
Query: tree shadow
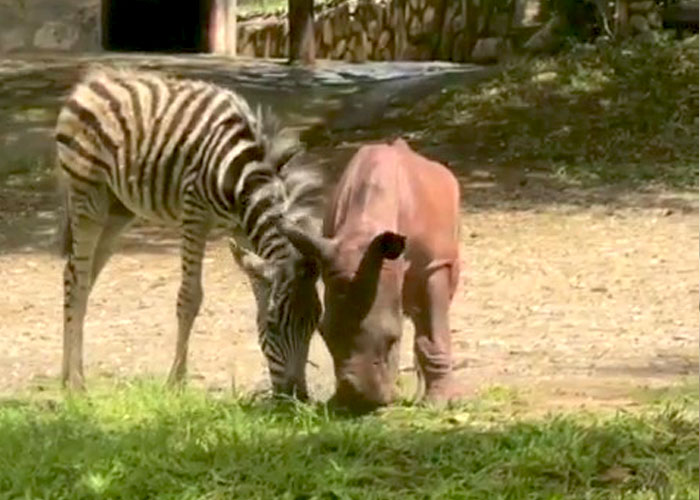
{"type": "Point", "coordinates": [594, 126]}
{"type": "Point", "coordinates": [498, 187]}
{"type": "Point", "coordinates": [663, 364]}
{"type": "Point", "coordinates": [356, 111]}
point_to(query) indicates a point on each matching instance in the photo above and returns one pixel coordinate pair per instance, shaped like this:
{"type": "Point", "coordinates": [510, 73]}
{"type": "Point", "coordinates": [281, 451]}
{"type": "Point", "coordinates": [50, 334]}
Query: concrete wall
{"type": "Point", "coordinates": [54, 25]}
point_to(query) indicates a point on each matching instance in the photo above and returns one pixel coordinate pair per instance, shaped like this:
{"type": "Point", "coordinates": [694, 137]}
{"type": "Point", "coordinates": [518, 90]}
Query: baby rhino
{"type": "Point", "coordinates": [389, 247]}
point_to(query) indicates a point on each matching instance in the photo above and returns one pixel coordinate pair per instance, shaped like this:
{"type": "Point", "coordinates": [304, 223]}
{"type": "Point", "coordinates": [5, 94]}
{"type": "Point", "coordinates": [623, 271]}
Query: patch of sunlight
{"type": "Point", "coordinates": [586, 80]}
{"type": "Point", "coordinates": [31, 115]}
{"type": "Point", "coordinates": [545, 65]}
{"type": "Point", "coordinates": [96, 483]}
{"type": "Point", "coordinates": [500, 393]}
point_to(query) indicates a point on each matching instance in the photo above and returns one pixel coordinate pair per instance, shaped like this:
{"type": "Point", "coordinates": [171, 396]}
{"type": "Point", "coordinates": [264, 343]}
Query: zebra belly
{"type": "Point", "coordinates": [147, 204]}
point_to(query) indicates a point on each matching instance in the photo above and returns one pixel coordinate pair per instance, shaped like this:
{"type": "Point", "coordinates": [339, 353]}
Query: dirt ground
{"type": "Point", "coordinates": [574, 297]}
{"type": "Point", "coordinates": [574, 303]}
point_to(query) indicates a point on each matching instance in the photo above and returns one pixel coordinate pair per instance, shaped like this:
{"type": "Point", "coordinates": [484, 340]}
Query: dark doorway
{"type": "Point", "coordinates": [156, 25]}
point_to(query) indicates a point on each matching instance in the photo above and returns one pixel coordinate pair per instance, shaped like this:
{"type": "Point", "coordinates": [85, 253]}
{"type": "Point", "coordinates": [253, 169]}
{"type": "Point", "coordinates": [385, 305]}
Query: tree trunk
{"type": "Point", "coordinates": [621, 18]}
{"type": "Point", "coordinates": [470, 8]}
{"type": "Point", "coordinates": [302, 46]}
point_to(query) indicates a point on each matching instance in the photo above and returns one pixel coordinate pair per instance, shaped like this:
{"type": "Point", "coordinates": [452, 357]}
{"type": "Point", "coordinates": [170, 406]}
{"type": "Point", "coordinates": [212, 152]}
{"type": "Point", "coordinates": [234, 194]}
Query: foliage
{"type": "Point", "coordinates": [598, 114]}
{"type": "Point", "coordinates": [263, 7]}
{"type": "Point", "coordinates": [252, 7]}
{"type": "Point", "coordinates": [136, 441]}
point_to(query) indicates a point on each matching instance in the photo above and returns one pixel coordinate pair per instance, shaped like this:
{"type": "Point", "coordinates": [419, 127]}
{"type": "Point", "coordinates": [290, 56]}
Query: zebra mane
{"type": "Point", "coordinates": [303, 183]}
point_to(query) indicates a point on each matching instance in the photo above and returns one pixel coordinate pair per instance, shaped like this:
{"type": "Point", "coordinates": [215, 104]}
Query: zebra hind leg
{"type": "Point", "coordinates": [86, 217]}
{"type": "Point", "coordinates": [194, 234]}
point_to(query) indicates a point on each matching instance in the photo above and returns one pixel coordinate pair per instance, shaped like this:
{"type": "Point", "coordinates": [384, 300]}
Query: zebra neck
{"type": "Point", "coordinates": [260, 201]}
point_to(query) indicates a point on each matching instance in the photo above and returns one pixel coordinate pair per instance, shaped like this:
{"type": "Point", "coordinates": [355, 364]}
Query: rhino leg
{"type": "Point", "coordinates": [433, 346]}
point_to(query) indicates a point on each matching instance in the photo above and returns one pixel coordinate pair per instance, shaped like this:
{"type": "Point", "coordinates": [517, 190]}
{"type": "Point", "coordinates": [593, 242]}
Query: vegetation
{"type": "Point", "coordinates": [134, 440]}
{"type": "Point", "coordinates": [262, 7]}
{"type": "Point", "coordinates": [592, 114]}
{"type": "Point", "coordinates": [252, 7]}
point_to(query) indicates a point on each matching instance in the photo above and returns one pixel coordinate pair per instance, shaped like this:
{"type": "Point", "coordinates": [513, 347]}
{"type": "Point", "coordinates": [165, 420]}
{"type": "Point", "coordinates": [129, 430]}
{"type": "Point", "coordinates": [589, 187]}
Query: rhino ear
{"type": "Point", "coordinates": [391, 245]}
{"type": "Point", "coordinates": [254, 265]}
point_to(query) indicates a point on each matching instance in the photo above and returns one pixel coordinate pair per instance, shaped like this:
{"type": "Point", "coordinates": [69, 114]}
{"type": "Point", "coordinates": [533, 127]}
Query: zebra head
{"type": "Point", "coordinates": [289, 310]}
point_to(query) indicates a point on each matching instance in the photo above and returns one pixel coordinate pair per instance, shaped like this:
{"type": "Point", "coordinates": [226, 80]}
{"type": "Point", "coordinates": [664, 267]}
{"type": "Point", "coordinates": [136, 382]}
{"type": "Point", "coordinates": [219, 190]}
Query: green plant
{"type": "Point", "coordinates": [612, 113]}
{"type": "Point", "coordinates": [135, 440]}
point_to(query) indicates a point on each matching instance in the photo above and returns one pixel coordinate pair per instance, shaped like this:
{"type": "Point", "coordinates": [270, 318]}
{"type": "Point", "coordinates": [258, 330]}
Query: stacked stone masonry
{"type": "Point", "coordinates": [360, 30]}
{"type": "Point", "coordinates": [351, 30]}
{"type": "Point", "coordinates": [383, 30]}
{"type": "Point", "coordinates": [644, 17]}
{"type": "Point", "coordinates": [49, 25]}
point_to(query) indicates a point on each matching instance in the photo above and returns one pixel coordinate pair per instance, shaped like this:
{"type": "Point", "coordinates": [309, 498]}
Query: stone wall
{"type": "Point", "coordinates": [644, 18]}
{"type": "Point", "coordinates": [53, 25]}
{"type": "Point", "coordinates": [352, 30]}
{"type": "Point", "coordinates": [360, 30]}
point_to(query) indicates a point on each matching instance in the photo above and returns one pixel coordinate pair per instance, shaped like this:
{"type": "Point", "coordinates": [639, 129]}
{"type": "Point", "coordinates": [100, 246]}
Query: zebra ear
{"type": "Point", "coordinates": [254, 266]}
{"type": "Point", "coordinates": [309, 244]}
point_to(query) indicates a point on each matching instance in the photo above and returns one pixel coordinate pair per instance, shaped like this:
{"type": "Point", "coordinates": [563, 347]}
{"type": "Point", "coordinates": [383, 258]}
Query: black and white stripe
{"type": "Point", "coordinates": [139, 144]}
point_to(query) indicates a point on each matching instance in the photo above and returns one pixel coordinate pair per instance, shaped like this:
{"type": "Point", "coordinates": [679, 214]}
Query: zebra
{"type": "Point", "coordinates": [133, 143]}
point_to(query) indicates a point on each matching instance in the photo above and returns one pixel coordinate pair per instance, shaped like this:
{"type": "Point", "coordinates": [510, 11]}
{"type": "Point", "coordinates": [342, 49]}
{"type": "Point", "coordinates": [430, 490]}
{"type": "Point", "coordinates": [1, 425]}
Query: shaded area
{"type": "Point", "coordinates": [33, 87]}
{"type": "Point", "coordinates": [156, 25]}
{"type": "Point", "coordinates": [31, 207]}
{"type": "Point", "coordinates": [591, 116]}
{"type": "Point", "coordinates": [143, 443]}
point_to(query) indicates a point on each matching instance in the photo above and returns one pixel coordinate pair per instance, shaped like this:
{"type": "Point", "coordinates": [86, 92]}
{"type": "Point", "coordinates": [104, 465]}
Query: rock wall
{"type": "Point", "coordinates": [53, 25]}
{"type": "Point", "coordinates": [351, 30]}
{"type": "Point", "coordinates": [644, 18]}
{"type": "Point", "coordinates": [360, 30]}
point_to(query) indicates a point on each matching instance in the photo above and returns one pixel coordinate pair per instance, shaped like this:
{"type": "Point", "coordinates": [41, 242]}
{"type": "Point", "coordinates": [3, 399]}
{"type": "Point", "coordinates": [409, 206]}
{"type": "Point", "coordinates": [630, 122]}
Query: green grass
{"type": "Point", "coordinates": [625, 113]}
{"type": "Point", "coordinates": [133, 440]}
{"type": "Point", "coordinates": [261, 7]}
{"type": "Point", "coordinates": [264, 7]}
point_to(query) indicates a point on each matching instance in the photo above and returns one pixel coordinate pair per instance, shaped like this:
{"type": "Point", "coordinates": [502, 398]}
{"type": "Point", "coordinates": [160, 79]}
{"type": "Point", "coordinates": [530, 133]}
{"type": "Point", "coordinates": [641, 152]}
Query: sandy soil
{"type": "Point", "coordinates": [577, 297]}
{"type": "Point", "coordinates": [575, 300]}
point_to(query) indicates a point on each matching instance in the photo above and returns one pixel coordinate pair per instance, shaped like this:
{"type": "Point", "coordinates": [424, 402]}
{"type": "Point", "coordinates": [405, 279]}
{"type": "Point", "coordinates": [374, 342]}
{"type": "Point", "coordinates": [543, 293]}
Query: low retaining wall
{"type": "Point", "coordinates": [40, 25]}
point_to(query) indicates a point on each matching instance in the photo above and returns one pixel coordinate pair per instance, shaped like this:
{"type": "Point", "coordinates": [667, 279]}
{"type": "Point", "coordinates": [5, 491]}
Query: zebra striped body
{"type": "Point", "coordinates": [189, 153]}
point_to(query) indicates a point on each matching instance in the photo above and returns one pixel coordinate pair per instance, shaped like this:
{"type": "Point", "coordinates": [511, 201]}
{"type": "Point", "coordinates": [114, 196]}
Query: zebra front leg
{"type": "Point", "coordinates": [189, 299]}
{"type": "Point", "coordinates": [84, 234]}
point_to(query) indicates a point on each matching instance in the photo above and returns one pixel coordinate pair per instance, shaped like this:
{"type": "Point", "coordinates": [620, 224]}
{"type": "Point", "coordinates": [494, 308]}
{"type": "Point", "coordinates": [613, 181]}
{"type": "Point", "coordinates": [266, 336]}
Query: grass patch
{"type": "Point", "coordinates": [133, 440]}
{"type": "Point", "coordinates": [261, 7]}
{"type": "Point", "coordinates": [685, 392]}
{"type": "Point", "coordinates": [591, 114]}
{"type": "Point", "coordinates": [252, 8]}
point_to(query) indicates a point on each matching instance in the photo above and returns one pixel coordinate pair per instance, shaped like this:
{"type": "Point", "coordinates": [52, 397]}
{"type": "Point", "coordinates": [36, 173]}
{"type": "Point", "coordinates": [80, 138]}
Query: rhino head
{"type": "Point", "coordinates": [361, 322]}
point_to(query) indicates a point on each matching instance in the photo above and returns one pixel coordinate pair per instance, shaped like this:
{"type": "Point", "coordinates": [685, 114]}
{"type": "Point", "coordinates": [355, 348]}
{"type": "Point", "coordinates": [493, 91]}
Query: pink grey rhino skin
{"type": "Point", "coordinates": [390, 246]}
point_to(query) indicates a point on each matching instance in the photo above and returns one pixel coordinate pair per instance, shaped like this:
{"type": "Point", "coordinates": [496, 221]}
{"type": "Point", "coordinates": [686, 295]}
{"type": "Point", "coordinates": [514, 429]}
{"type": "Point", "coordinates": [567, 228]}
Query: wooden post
{"type": "Point", "coordinates": [231, 27]}
{"type": "Point", "coordinates": [302, 41]}
{"type": "Point", "coordinates": [223, 34]}
{"type": "Point", "coordinates": [621, 18]}
{"type": "Point", "coordinates": [216, 28]}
